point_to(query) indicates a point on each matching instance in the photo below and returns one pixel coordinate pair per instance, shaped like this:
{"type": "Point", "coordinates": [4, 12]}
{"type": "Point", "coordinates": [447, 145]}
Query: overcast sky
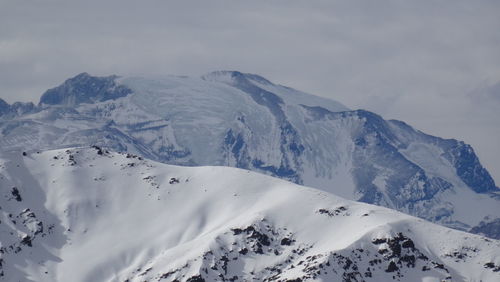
{"type": "Point", "coordinates": [433, 64]}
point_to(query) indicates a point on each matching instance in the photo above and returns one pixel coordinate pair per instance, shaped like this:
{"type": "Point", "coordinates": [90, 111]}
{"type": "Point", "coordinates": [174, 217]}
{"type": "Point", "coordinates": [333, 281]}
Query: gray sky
{"type": "Point", "coordinates": [433, 64]}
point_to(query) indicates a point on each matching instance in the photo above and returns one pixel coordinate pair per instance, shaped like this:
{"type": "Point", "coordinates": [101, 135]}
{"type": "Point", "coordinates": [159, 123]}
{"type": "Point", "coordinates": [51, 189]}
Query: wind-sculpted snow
{"type": "Point", "coordinates": [243, 120]}
{"type": "Point", "coordinates": [88, 214]}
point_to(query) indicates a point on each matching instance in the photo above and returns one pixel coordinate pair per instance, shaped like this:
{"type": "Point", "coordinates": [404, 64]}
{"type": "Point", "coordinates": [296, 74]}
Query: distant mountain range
{"type": "Point", "coordinates": [228, 118]}
{"type": "Point", "coordinates": [89, 214]}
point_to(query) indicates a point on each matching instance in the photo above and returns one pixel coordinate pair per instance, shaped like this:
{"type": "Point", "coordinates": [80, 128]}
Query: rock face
{"type": "Point", "coordinates": [84, 88]}
{"type": "Point", "coordinates": [242, 120]}
{"type": "Point", "coordinates": [4, 107]}
{"type": "Point", "coordinates": [16, 109]}
{"type": "Point", "coordinates": [89, 214]}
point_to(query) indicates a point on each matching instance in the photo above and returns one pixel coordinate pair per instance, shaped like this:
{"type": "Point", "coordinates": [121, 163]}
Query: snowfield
{"type": "Point", "coordinates": [87, 214]}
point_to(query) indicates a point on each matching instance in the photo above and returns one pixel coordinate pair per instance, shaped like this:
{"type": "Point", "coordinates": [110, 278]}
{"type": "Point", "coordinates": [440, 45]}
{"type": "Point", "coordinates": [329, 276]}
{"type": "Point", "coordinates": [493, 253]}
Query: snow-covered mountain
{"type": "Point", "coordinates": [243, 120]}
{"type": "Point", "coordinates": [86, 214]}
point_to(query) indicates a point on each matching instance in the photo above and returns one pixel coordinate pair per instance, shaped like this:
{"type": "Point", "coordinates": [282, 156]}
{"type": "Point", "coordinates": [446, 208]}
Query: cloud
{"type": "Point", "coordinates": [487, 96]}
{"type": "Point", "coordinates": [416, 61]}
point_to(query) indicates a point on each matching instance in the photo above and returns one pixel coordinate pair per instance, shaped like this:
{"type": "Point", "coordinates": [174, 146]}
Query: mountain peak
{"type": "Point", "coordinates": [231, 75]}
{"type": "Point", "coordinates": [81, 75]}
{"type": "Point", "coordinates": [84, 88]}
{"type": "Point", "coordinates": [4, 107]}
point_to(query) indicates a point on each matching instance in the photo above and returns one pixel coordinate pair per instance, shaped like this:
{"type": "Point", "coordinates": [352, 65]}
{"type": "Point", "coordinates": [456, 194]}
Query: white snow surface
{"type": "Point", "coordinates": [118, 217]}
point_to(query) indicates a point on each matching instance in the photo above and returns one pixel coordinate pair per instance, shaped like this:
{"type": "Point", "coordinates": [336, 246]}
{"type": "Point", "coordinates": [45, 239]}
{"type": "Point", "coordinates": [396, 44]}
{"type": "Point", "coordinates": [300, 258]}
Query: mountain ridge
{"type": "Point", "coordinates": [246, 121]}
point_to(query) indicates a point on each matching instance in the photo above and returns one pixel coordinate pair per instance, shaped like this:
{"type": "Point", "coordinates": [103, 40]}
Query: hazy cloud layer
{"type": "Point", "coordinates": [434, 64]}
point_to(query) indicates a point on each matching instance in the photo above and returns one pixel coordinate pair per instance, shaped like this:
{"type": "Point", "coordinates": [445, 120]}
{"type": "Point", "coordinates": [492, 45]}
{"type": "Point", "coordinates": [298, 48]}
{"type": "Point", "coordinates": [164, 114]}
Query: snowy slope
{"type": "Point", "coordinates": [243, 120]}
{"type": "Point", "coordinates": [86, 214]}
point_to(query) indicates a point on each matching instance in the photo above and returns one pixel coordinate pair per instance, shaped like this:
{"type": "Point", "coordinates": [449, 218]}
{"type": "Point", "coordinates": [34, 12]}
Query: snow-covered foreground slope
{"type": "Point", "coordinates": [243, 120]}
{"type": "Point", "coordinates": [86, 214]}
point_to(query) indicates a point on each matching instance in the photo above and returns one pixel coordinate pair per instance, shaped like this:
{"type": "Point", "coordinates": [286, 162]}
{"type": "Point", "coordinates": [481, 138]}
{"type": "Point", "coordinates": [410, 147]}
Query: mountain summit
{"type": "Point", "coordinates": [229, 118]}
